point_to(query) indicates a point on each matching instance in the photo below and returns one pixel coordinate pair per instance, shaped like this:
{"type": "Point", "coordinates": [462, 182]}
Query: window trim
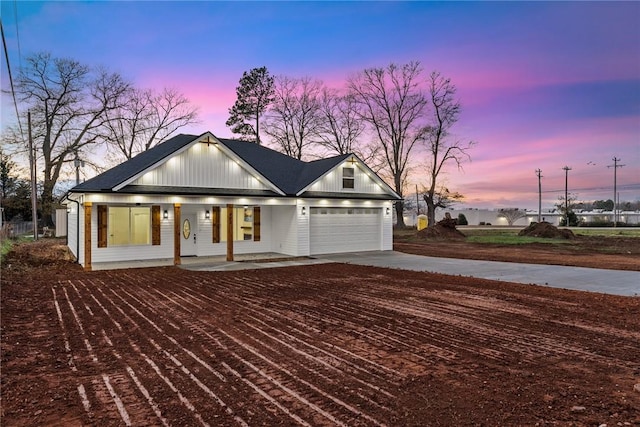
{"type": "Point", "coordinates": [104, 226]}
{"type": "Point", "coordinates": [348, 179]}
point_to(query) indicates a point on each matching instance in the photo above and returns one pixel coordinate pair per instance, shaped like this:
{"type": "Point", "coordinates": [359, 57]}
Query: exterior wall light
{"type": "Point", "coordinates": [165, 214]}
{"type": "Point", "coordinates": [304, 210]}
{"type": "Point", "coordinates": [207, 214]}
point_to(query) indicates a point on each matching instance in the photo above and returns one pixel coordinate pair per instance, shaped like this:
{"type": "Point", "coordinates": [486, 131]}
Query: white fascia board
{"type": "Point", "coordinates": [361, 165]}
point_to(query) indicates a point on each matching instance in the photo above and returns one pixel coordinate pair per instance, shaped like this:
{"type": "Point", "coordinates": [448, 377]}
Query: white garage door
{"type": "Point", "coordinates": [334, 230]}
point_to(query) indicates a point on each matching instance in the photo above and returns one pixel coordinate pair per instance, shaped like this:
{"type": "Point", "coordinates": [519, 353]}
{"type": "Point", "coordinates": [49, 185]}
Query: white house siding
{"type": "Point", "coordinates": [302, 224]}
{"type": "Point", "coordinates": [387, 228]}
{"type": "Point", "coordinates": [332, 182]}
{"type": "Point", "coordinates": [201, 166]}
{"type": "Point", "coordinates": [284, 230]}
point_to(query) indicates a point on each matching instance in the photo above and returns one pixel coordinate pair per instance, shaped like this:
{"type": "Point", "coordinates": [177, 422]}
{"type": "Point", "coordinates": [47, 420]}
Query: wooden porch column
{"type": "Point", "coordinates": [87, 236]}
{"type": "Point", "coordinates": [229, 232]}
{"type": "Point", "coordinates": [176, 234]}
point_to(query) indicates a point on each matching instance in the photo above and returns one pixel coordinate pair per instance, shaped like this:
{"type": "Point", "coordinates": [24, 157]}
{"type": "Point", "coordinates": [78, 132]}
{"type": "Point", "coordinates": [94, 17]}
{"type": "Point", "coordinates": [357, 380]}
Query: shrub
{"type": "Point", "coordinates": [462, 220]}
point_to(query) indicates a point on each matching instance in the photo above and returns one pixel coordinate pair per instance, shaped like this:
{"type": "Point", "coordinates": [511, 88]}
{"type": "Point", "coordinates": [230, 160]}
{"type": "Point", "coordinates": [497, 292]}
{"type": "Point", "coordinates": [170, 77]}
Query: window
{"type": "Point", "coordinates": [348, 178]}
{"type": "Point", "coordinates": [129, 226]}
{"type": "Point", "coordinates": [246, 223]}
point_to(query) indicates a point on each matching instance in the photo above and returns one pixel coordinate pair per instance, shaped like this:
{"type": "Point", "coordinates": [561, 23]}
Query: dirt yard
{"type": "Point", "coordinates": [317, 345]}
{"type": "Point", "coordinates": [608, 252]}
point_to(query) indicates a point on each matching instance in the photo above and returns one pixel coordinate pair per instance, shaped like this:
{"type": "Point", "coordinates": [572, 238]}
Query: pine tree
{"type": "Point", "coordinates": [254, 94]}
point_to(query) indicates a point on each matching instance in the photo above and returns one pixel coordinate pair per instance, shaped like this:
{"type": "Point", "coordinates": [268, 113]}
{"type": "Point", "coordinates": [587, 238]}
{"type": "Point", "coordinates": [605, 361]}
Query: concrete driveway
{"type": "Point", "coordinates": [615, 282]}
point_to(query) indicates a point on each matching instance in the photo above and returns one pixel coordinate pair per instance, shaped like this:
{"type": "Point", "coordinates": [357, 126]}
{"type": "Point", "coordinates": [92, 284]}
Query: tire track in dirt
{"type": "Point", "coordinates": [270, 376]}
{"type": "Point", "coordinates": [140, 378]}
{"type": "Point", "coordinates": [159, 329]}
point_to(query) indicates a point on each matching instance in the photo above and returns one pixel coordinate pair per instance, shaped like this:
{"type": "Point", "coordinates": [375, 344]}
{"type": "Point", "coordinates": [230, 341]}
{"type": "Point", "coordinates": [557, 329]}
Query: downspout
{"type": "Point", "coordinates": [77, 227]}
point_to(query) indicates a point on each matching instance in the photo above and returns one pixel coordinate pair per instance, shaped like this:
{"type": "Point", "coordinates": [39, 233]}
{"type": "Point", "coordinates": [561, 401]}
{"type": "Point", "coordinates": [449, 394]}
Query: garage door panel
{"type": "Point", "coordinates": [345, 230]}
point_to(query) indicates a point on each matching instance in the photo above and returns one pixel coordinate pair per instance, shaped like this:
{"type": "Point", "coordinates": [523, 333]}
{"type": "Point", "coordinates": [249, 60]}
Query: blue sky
{"type": "Point", "coordinates": [542, 84]}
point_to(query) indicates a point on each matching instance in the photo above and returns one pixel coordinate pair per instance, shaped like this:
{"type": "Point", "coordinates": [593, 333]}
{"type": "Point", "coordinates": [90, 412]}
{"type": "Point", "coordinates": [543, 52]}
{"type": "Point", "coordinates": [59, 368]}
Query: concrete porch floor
{"type": "Point", "coordinates": [216, 263]}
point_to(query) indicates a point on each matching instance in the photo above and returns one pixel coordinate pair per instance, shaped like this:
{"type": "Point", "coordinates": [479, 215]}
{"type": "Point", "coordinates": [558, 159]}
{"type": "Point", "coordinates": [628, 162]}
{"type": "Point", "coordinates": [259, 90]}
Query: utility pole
{"type": "Point", "coordinates": [615, 167]}
{"type": "Point", "coordinates": [34, 196]}
{"type": "Point", "coordinates": [417, 203]}
{"type": "Point", "coordinates": [566, 195]}
{"type": "Point", "coordinates": [539, 174]}
{"type": "Point", "coordinates": [78, 164]}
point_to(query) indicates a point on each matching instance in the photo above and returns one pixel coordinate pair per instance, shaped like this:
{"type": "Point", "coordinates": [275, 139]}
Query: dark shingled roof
{"type": "Point", "coordinates": [118, 174]}
{"type": "Point", "coordinates": [288, 174]}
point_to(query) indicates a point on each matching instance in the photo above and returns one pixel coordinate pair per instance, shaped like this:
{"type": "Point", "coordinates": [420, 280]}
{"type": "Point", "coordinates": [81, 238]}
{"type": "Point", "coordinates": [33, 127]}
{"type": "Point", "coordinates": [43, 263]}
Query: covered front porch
{"type": "Point", "coordinates": [156, 231]}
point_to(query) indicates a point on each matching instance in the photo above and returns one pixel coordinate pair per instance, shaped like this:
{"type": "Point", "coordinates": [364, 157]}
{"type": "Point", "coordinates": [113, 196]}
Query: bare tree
{"type": "Point", "coordinates": [68, 102]}
{"type": "Point", "coordinates": [147, 118]}
{"type": "Point", "coordinates": [293, 121]}
{"type": "Point", "coordinates": [442, 147]}
{"type": "Point", "coordinates": [341, 128]}
{"type": "Point", "coordinates": [393, 104]}
{"type": "Point", "coordinates": [341, 125]}
{"type": "Point", "coordinates": [511, 215]}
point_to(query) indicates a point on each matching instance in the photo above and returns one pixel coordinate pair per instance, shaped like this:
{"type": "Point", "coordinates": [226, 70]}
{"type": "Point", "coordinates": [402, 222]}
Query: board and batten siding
{"type": "Point", "coordinates": [332, 182]}
{"type": "Point", "coordinates": [201, 166]}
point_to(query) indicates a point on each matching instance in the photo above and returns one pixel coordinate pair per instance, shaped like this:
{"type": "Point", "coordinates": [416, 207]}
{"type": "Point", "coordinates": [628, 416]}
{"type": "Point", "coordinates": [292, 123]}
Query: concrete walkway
{"type": "Point", "coordinates": [615, 282]}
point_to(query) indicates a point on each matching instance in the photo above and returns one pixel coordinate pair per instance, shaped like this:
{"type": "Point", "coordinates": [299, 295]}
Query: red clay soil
{"type": "Point", "coordinates": [317, 345]}
{"type": "Point", "coordinates": [614, 253]}
{"type": "Point", "coordinates": [546, 230]}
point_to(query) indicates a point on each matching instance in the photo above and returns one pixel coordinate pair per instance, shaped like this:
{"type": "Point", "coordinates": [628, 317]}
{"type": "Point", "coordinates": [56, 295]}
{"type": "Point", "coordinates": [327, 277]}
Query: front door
{"type": "Point", "coordinates": [188, 235]}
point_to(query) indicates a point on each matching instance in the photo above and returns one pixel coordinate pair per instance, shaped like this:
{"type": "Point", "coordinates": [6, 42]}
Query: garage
{"type": "Point", "coordinates": [345, 230]}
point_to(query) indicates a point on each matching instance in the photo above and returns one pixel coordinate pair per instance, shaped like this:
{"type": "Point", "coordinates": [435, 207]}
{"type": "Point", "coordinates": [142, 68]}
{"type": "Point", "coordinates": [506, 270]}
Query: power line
{"type": "Point", "coordinates": [15, 15]}
{"type": "Point", "coordinates": [632, 186]}
{"type": "Point", "coordinates": [13, 92]}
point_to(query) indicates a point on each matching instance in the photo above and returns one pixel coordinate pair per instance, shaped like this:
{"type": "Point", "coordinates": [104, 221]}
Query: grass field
{"type": "Point", "coordinates": [509, 235]}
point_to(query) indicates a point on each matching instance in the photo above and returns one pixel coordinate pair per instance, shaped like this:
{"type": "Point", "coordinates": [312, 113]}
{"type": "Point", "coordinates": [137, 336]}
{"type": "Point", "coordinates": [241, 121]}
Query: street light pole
{"type": "Point", "coordinates": [78, 163]}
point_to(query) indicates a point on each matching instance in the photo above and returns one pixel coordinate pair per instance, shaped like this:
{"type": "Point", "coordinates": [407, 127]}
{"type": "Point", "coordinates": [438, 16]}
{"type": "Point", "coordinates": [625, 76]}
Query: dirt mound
{"type": "Point", "coordinates": [443, 230]}
{"type": "Point", "coordinates": [546, 230]}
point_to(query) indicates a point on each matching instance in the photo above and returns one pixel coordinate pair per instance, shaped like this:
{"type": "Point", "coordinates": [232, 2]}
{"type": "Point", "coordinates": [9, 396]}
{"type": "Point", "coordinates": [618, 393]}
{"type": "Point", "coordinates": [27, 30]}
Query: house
{"type": "Point", "coordinates": [206, 196]}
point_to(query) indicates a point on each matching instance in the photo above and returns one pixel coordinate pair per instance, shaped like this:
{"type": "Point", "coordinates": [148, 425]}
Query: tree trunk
{"type": "Point", "coordinates": [399, 214]}
{"type": "Point", "coordinates": [47, 203]}
{"type": "Point", "coordinates": [431, 213]}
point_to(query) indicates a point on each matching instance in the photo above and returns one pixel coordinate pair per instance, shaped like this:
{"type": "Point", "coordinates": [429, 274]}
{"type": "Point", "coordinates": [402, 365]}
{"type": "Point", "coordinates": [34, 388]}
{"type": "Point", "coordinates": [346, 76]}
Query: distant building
{"type": "Point", "coordinates": [552, 216]}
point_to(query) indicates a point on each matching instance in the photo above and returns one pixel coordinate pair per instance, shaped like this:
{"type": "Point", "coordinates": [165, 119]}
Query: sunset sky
{"type": "Point", "coordinates": [542, 84]}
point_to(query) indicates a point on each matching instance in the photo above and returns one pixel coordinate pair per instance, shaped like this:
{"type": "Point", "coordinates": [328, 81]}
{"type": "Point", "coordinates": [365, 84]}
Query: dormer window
{"type": "Point", "coordinates": [348, 178]}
